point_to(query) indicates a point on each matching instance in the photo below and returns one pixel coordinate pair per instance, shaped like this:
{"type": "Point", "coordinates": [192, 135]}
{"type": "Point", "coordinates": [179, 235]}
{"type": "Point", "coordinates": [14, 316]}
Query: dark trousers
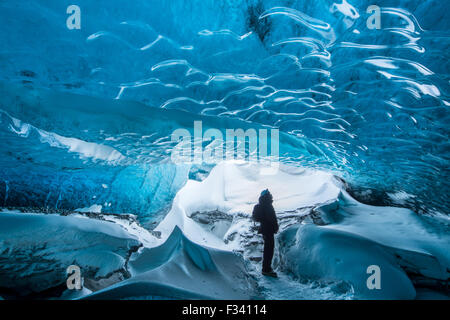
{"type": "Point", "coordinates": [268, 252]}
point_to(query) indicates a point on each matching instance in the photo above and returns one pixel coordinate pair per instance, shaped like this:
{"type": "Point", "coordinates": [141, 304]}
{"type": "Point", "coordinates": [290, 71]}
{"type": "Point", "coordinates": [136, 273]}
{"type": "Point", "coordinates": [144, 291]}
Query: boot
{"type": "Point", "coordinates": [270, 273]}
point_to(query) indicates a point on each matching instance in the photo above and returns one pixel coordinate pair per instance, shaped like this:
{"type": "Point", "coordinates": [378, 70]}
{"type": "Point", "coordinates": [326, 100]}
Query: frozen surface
{"type": "Point", "coordinates": [181, 269]}
{"type": "Point", "coordinates": [356, 236]}
{"type": "Point", "coordinates": [373, 103]}
{"type": "Point", "coordinates": [86, 118]}
{"type": "Point", "coordinates": [326, 243]}
{"type": "Point", "coordinates": [349, 238]}
{"type": "Point", "coordinates": [36, 249]}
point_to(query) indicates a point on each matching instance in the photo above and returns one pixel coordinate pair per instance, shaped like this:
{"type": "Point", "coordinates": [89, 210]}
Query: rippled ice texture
{"type": "Point", "coordinates": [375, 102]}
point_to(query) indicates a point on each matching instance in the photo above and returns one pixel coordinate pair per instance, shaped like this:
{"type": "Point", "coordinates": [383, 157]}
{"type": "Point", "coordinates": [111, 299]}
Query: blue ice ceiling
{"type": "Point", "coordinates": [370, 105]}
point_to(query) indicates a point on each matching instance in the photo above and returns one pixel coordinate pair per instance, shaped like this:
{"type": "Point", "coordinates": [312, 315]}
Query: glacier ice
{"type": "Point", "coordinates": [177, 267]}
{"type": "Point", "coordinates": [310, 68]}
{"type": "Point", "coordinates": [208, 235]}
{"type": "Point", "coordinates": [36, 249]}
{"type": "Point", "coordinates": [362, 113]}
{"type": "Point", "coordinates": [356, 236]}
{"type": "Point", "coordinates": [350, 236]}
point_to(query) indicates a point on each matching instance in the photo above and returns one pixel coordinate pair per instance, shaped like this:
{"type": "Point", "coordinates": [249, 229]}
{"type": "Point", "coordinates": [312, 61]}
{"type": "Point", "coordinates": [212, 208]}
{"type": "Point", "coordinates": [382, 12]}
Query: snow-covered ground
{"type": "Point", "coordinates": [207, 245]}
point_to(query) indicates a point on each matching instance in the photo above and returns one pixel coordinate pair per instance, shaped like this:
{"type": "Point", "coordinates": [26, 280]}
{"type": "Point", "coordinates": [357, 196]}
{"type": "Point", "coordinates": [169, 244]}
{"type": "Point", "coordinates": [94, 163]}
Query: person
{"type": "Point", "coordinates": [264, 213]}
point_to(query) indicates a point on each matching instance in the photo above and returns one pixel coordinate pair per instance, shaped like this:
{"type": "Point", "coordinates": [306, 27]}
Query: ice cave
{"type": "Point", "coordinates": [348, 99]}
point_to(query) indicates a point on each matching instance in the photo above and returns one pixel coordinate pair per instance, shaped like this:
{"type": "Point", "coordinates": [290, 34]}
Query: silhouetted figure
{"type": "Point", "coordinates": [264, 213]}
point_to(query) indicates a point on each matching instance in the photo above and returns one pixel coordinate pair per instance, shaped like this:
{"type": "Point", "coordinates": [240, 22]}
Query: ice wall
{"type": "Point", "coordinates": [374, 100]}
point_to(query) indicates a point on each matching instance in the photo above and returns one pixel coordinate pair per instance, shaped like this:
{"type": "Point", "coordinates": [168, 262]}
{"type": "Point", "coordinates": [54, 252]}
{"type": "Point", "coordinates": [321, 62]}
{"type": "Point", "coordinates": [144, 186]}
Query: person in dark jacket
{"type": "Point", "coordinates": [264, 213]}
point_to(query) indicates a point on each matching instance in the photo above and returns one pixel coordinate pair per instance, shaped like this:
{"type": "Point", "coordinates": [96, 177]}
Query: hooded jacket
{"type": "Point", "coordinates": [264, 213]}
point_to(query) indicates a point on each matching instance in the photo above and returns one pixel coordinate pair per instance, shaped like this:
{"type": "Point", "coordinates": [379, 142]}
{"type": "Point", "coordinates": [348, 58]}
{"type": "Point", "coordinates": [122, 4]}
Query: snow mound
{"type": "Point", "coordinates": [405, 246]}
{"type": "Point", "coordinates": [36, 249]}
{"type": "Point", "coordinates": [181, 269]}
